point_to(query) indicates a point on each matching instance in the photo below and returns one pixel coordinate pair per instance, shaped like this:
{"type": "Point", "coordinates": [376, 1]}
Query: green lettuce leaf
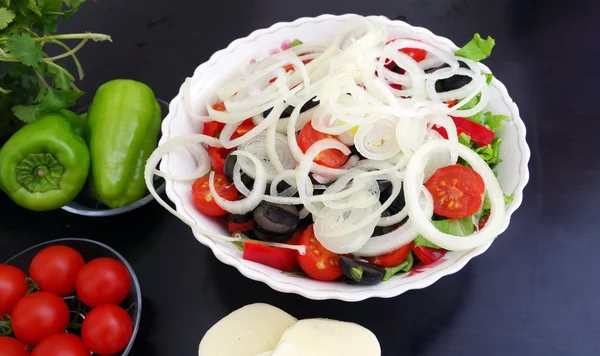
{"type": "Point", "coordinates": [405, 266]}
{"type": "Point", "coordinates": [477, 49]}
{"type": "Point", "coordinates": [295, 43]}
{"type": "Point", "coordinates": [456, 227]}
{"type": "Point", "coordinates": [489, 78]}
{"type": "Point", "coordinates": [490, 153]}
{"type": "Point", "coordinates": [494, 122]}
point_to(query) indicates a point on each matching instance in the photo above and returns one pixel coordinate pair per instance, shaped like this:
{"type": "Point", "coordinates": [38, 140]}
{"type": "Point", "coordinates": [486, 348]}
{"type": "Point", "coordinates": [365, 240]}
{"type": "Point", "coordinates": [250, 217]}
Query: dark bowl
{"type": "Point", "coordinates": [90, 250]}
{"type": "Point", "coordinates": [86, 204]}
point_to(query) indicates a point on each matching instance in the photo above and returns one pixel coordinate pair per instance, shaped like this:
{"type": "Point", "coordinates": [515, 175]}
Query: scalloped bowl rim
{"type": "Point", "coordinates": [330, 290]}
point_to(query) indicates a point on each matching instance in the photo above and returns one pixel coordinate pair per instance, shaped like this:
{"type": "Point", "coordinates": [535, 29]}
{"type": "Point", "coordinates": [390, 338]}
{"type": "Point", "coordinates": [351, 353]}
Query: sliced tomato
{"type": "Point", "coordinates": [391, 259]}
{"type": "Point", "coordinates": [457, 191]}
{"type": "Point", "coordinates": [331, 158]}
{"type": "Point", "coordinates": [219, 107]}
{"type": "Point", "coordinates": [213, 128]}
{"type": "Point", "coordinates": [427, 255]}
{"type": "Point", "coordinates": [318, 262]}
{"type": "Point", "coordinates": [479, 134]}
{"type": "Point", "coordinates": [243, 128]}
{"type": "Point", "coordinates": [416, 53]}
{"type": "Point", "coordinates": [451, 103]}
{"type": "Point", "coordinates": [240, 227]}
{"type": "Point", "coordinates": [217, 158]}
{"type": "Point", "coordinates": [203, 199]}
{"type": "Point", "coordinates": [282, 259]}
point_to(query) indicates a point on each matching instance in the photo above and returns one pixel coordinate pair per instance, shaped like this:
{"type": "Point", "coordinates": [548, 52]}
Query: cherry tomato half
{"type": "Point", "coordinates": [39, 315]}
{"type": "Point", "coordinates": [203, 198]}
{"type": "Point", "coordinates": [103, 281]}
{"type": "Point", "coordinates": [391, 259]}
{"type": "Point", "coordinates": [213, 128]}
{"type": "Point", "coordinates": [12, 347]}
{"type": "Point", "coordinates": [457, 191]}
{"type": "Point", "coordinates": [318, 263]}
{"type": "Point", "coordinates": [61, 345]}
{"type": "Point", "coordinates": [107, 329]}
{"type": "Point", "coordinates": [427, 255]}
{"type": "Point", "coordinates": [331, 158]}
{"type": "Point", "coordinates": [13, 287]}
{"type": "Point", "coordinates": [55, 269]}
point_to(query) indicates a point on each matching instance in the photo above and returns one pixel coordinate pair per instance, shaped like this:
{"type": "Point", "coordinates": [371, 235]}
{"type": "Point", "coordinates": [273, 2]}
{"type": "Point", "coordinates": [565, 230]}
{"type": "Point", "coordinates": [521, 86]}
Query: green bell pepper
{"type": "Point", "coordinates": [45, 164]}
{"type": "Point", "coordinates": [123, 124]}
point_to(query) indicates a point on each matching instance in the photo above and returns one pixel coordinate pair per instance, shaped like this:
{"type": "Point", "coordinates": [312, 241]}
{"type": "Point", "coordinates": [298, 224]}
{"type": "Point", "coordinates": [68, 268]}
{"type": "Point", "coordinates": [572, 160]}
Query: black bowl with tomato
{"type": "Point", "coordinates": [98, 287]}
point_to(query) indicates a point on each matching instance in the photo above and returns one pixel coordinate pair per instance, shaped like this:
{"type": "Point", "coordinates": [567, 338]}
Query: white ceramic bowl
{"type": "Point", "coordinates": [513, 173]}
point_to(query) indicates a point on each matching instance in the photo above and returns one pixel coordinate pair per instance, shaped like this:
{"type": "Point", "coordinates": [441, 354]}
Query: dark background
{"type": "Point", "coordinates": [535, 292]}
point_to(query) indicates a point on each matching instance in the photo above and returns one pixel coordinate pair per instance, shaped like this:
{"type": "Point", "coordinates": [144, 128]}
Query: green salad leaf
{"type": "Point", "coordinates": [477, 49]}
{"type": "Point", "coordinates": [405, 266]}
{"type": "Point", "coordinates": [494, 122]}
{"type": "Point", "coordinates": [456, 227]}
{"type": "Point", "coordinates": [489, 78]}
{"type": "Point", "coordinates": [295, 43]}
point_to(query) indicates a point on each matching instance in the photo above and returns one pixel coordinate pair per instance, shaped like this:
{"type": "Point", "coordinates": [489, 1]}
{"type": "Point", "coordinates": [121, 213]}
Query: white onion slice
{"type": "Point", "coordinates": [253, 199]}
{"type": "Point", "coordinates": [422, 222]}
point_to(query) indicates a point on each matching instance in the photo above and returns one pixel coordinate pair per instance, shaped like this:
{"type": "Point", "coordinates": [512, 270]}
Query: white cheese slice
{"type": "Point", "coordinates": [248, 331]}
{"type": "Point", "coordinates": [324, 337]}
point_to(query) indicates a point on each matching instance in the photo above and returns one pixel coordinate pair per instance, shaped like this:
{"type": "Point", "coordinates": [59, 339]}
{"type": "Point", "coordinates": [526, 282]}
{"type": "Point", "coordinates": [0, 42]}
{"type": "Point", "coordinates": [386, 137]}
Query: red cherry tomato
{"type": "Point", "coordinates": [331, 158]}
{"type": "Point", "coordinates": [219, 107]}
{"type": "Point", "coordinates": [203, 198]}
{"type": "Point", "coordinates": [391, 259]}
{"type": "Point", "coordinates": [107, 330]}
{"type": "Point", "coordinates": [13, 287]}
{"type": "Point", "coordinates": [282, 259]}
{"type": "Point", "coordinates": [55, 269]}
{"type": "Point", "coordinates": [427, 255]}
{"type": "Point", "coordinates": [12, 347]}
{"type": "Point", "coordinates": [457, 191]}
{"type": "Point", "coordinates": [39, 315]}
{"type": "Point", "coordinates": [61, 345]}
{"type": "Point", "coordinates": [318, 263]}
{"type": "Point", "coordinates": [240, 227]}
{"type": "Point", "coordinates": [217, 158]}
{"type": "Point", "coordinates": [103, 281]}
{"type": "Point", "coordinates": [416, 53]}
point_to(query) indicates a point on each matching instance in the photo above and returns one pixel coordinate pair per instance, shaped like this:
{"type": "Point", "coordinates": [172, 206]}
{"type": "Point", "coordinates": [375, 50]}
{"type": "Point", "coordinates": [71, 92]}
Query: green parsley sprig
{"type": "Point", "coordinates": [33, 83]}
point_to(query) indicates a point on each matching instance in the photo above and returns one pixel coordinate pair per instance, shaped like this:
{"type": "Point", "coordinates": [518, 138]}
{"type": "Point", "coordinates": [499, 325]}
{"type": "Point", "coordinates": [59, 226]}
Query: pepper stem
{"type": "Point", "coordinates": [39, 173]}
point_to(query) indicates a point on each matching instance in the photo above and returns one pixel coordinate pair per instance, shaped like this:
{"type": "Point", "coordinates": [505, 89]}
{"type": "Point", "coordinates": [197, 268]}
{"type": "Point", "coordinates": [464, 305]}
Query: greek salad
{"type": "Point", "coordinates": [355, 160]}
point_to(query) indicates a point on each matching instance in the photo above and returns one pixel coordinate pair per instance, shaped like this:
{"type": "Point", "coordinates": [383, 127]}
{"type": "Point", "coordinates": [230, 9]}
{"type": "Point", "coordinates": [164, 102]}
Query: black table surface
{"type": "Point", "coordinates": [535, 292]}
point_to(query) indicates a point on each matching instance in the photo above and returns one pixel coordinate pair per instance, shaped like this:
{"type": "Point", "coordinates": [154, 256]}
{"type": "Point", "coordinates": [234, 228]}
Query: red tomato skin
{"type": "Point", "coordinates": [39, 315]}
{"type": "Point", "coordinates": [217, 158]}
{"type": "Point", "coordinates": [55, 269]}
{"type": "Point", "coordinates": [331, 158]}
{"type": "Point", "coordinates": [318, 263]}
{"type": "Point", "coordinates": [282, 259]}
{"type": "Point", "coordinates": [107, 330]}
{"type": "Point", "coordinates": [12, 347]}
{"type": "Point", "coordinates": [61, 345]}
{"type": "Point", "coordinates": [479, 134]}
{"type": "Point", "coordinates": [13, 287]}
{"type": "Point", "coordinates": [391, 259]}
{"type": "Point", "coordinates": [427, 255]}
{"type": "Point", "coordinates": [103, 281]}
{"type": "Point", "coordinates": [457, 191]}
{"type": "Point", "coordinates": [203, 199]}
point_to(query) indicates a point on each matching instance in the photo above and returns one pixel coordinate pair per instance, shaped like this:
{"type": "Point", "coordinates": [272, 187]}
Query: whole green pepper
{"type": "Point", "coordinates": [45, 164]}
{"type": "Point", "coordinates": [122, 127]}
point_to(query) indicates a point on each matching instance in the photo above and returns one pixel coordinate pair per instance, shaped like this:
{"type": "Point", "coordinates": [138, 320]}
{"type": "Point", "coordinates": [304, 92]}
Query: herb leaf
{"type": "Point", "coordinates": [23, 47]}
{"type": "Point", "coordinates": [26, 113]}
{"type": "Point", "coordinates": [6, 17]}
{"type": "Point", "coordinates": [57, 100]}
